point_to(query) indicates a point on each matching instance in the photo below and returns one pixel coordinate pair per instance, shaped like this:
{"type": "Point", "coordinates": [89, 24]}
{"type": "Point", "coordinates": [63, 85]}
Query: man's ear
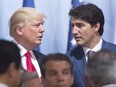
{"type": "Point", "coordinates": [12, 70]}
{"type": "Point", "coordinates": [97, 27]}
{"type": "Point", "coordinates": [19, 30]}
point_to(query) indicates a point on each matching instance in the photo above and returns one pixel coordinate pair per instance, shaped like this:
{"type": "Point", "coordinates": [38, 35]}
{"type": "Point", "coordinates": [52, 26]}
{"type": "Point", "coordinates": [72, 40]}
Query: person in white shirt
{"type": "Point", "coordinates": [87, 22]}
{"type": "Point", "coordinates": [26, 28]}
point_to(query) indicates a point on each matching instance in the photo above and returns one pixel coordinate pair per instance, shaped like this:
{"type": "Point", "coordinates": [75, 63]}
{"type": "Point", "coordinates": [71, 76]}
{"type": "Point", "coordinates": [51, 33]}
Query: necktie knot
{"type": "Point", "coordinates": [27, 54]}
{"type": "Point", "coordinates": [90, 53]}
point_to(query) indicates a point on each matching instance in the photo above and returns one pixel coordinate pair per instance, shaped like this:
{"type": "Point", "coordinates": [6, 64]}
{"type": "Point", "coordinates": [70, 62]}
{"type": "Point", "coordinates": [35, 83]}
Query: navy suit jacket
{"type": "Point", "coordinates": [77, 56]}
{"type": "Point", "coordinates": [39, 56]}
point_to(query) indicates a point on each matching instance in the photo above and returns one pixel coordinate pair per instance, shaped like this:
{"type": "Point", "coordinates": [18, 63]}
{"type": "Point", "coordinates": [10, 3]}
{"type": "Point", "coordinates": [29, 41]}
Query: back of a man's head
{"type": "Point", "coordinates": [29, 79]}
{"type": "Point", "coordinates": [9, 53]}
{"type": "Point", "coordinates": [101, 68]}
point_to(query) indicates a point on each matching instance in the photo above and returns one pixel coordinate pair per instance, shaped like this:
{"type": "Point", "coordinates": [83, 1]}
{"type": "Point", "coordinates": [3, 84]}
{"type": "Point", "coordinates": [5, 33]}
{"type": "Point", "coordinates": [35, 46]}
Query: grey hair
{"type": "Point", "coordinates": [101, 68]}
{"type": "Point", "coordinates": [27, 76]}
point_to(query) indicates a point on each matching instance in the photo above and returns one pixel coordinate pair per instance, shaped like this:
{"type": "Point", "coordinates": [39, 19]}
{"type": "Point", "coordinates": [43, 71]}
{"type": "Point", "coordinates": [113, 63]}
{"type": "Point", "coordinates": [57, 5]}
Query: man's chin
{"type": "Point", "coordinates": [37, 44]}
{"type": "Point", "coordinates": [79, 43]}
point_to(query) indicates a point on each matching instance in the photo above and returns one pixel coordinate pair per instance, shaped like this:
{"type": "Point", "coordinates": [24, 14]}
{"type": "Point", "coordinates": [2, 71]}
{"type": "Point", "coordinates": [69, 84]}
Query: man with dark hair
{"type": "Point", "coordinates": [87, 28]}
{"type": "Point", "coordinates": [10, 64]}
{"type": "Point", "coordinates": [101, 69]}
{"type": "Point", "coordinates": [56, 71]}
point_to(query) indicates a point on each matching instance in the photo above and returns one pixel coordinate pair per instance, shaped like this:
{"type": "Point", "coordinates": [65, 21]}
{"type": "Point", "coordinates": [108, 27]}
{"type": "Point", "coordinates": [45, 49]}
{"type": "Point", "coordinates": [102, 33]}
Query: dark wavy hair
{"type": "Point", "coordinates": [89, 13]}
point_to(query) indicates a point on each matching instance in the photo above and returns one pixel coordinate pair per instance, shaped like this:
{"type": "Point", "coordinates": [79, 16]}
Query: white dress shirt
{"type": "Point", "coordinates": [33, 59]}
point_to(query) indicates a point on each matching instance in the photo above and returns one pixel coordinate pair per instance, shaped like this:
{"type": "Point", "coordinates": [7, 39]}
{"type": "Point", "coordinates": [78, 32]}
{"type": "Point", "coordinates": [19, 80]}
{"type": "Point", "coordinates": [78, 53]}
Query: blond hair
{"type": "Point", "coordinates": [22, 15]}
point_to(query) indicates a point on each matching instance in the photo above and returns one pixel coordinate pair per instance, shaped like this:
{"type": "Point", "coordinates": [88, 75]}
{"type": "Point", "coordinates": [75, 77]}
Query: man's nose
{"type": "Point", "coordinates": [60, 77]}
{"type": "Point", "coordinates": [74, 30]}
{"type": "Point", "coordinates": [42, 28]}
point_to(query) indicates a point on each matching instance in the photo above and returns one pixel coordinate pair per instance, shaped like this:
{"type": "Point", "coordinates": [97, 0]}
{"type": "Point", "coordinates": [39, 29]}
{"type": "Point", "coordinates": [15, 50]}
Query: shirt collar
{"type": "Point", "coordinates": [22, 49]}
{"type": "Point", "coordinates": [95, 49]}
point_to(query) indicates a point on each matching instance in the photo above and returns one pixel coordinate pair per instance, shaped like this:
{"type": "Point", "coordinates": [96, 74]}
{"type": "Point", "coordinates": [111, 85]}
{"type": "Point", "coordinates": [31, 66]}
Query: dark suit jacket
{"type": "Point", "coordinates": [39, 56]}
{"type": "Point", "coordinates": [77, 56]}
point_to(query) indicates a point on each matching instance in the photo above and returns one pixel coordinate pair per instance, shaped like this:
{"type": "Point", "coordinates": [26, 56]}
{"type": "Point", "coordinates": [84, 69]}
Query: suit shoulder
{"type": "Point", "coordinates": [37, 53]}
{"type": "Point", "coordinates": [109, 46]}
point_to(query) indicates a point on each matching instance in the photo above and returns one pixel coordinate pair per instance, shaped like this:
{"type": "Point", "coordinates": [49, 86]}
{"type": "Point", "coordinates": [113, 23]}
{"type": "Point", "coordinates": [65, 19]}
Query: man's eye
{"type": "Point", "coordinates": [52, 73]}
{"type": "Point", "coordinates": [79, 25]}
{"type": "Point", "coordinates": [37, 25]}
{"type": "Point", "coordinates": [67, 72]}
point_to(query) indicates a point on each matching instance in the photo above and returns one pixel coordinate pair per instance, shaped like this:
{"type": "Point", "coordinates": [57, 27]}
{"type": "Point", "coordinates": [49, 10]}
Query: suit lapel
{"type": "Point", "coordinates": [38, 56]}
{"type": "Point", "coordinates": [79, 59]}
{"type": "Point", "coordinates": [80, 65]}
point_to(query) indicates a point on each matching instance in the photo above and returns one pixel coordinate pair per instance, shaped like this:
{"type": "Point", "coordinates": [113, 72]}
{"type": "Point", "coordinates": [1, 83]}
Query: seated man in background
{"type": "Point", "coordinates": [10, 64]}
{"type": "Point", "coordinates": [101, 69]}
{"type": "Point", "coordinates": [56, 71]}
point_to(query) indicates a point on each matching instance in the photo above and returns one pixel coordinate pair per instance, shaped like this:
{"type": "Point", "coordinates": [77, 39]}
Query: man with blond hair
{"type": "Point", "coordinates": [26, 28]}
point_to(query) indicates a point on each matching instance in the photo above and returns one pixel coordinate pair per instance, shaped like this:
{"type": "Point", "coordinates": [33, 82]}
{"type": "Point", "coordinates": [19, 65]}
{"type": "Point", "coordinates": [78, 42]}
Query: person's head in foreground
{"type": "Point", "coordinates": [101, 69]}
{"type": "Point", "coordinates": [56, 71]}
